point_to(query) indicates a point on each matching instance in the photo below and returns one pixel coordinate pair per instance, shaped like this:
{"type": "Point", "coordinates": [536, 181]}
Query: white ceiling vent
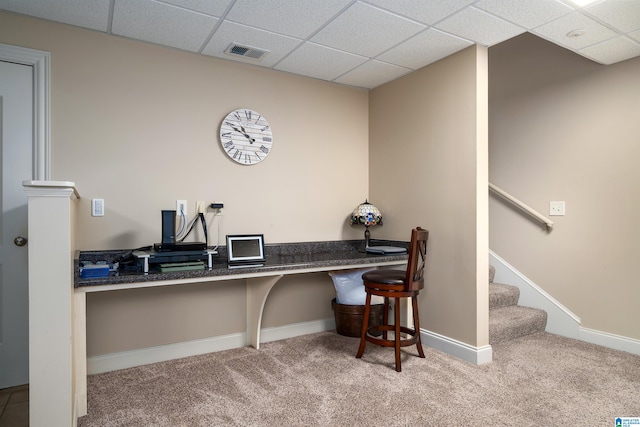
{"type": "Point", "coordinates": [254, 53]}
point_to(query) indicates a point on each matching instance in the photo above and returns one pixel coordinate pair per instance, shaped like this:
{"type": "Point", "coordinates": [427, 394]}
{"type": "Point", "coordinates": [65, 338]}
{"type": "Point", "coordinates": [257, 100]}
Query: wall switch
{"type": "Point", "coordinates": [181, 208]}
{"type": "Point", "coordinates": [201, 207]}
{"type": "Point", "coordinates": [556, 208]}
{"type": "Point", "coordinates": [97, 207]}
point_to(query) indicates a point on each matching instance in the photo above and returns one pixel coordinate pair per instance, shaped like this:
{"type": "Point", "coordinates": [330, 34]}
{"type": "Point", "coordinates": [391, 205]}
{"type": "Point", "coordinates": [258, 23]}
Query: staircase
{"type": "Point", "coordinates": [507, 319]}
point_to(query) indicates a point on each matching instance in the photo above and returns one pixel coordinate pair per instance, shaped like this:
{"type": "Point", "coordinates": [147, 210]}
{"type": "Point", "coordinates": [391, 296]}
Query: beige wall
{"type": "Point", "coordinates": [428, 167]}
{"type": "Point", "coordinates": [137, 125]}
{"type": "Point", "coordinates": [565, 128]}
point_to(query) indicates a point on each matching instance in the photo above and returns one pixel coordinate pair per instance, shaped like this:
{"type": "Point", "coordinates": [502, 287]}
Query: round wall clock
{"type": "Point", "coordinates": [246, 136]}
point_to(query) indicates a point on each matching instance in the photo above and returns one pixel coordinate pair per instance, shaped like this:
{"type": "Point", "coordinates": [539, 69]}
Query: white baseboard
{"type": "Point", "coordinates": [616, 342]}
{"type": "Point", "coordinates": [145, 356]}
{"type": "Point", "coordinates": [296, 329]}
{"type": "Point", "coordinates": [455, 348]}
{"type": "Point", "coordinates": [161, 353]}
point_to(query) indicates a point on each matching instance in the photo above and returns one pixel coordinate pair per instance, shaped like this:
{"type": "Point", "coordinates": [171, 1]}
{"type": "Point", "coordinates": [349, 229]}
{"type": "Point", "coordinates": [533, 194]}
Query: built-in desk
{"type": "Point", "coordinates": [57, 296]}
{"type": "Point", "coordinates": [281, 260]}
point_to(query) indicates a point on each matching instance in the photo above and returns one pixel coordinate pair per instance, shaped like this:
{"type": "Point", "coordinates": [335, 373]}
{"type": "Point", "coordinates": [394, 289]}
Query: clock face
{"type": "Point", "coordinates": [246, 136]}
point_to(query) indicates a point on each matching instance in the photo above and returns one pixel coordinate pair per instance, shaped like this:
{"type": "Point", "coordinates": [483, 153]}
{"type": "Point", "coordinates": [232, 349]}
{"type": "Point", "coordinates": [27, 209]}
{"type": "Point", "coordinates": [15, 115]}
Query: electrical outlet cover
{"type": "Point", "coordinates": [556, 208]}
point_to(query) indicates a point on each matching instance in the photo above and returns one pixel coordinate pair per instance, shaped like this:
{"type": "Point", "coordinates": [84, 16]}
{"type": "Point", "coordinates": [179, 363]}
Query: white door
{"type": "Point", "coordinates": [16, 140]}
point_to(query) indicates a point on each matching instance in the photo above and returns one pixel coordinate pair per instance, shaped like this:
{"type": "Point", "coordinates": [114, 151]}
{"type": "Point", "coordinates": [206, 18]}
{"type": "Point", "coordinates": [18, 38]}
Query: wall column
{"type": "Point", "coordinates": [52, 207]}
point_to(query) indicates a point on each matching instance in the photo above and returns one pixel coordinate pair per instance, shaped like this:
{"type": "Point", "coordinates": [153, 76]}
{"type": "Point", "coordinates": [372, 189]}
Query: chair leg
{"type": "Point", "coordinates": [365, 326]}
{"type": "Point", "coordinates": [385, 316]}
{"type": "Point", "coordinates": [396, 309]}
{"type": "Point", "coordinates": [416, 324]}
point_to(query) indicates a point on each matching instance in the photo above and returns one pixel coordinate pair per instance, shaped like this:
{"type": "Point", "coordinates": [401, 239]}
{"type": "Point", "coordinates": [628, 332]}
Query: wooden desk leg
{"type": "Point", "coordinates": [258, 289]}
{"type": "Point", "coordinates": [79, 364]}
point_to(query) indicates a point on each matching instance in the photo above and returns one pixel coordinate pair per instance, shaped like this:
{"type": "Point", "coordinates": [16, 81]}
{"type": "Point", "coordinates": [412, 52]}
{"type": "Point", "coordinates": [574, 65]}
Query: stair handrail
{"type": "Point", "coordinates": [522, 206]}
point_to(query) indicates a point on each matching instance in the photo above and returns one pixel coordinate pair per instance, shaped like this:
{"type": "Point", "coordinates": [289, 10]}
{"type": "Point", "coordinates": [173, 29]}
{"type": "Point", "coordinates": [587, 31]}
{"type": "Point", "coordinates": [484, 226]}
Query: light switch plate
{"type": "Point", "coordinates": [556, 208]}
{"type": "Point", "coordinates": [97, 207]}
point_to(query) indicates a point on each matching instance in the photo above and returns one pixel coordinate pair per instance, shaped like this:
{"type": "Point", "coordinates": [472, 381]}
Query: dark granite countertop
{"type": "Point", "coordinates": [279, 258]}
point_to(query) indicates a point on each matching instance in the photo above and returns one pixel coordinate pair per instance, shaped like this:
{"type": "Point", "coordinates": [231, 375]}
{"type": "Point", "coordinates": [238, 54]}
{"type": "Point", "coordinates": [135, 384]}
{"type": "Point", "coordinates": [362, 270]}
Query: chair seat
{"type": "Point", "coordinates": [386, 277]}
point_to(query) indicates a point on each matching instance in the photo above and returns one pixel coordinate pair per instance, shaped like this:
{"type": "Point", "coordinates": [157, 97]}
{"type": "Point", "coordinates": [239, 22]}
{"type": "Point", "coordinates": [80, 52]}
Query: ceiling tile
{"type": "Point", "coordinates": [366, 30]}
{"type": "Point", "coordinates": [161, 23]}
{"type": "Point", "coordinates": [621, 14]}
{"type": "Point", "coordinates": [210, 7]}
{"type": "Point", "coordinates": [299, 18]}
{"type": "Point", "coordinates": [82, 13]}
{"type": "Point", "coordinates": [423, 49]}
{"type": "Point", "coordinates": [556, 31]}
{"type": "Point", "coordinates": [372, 74]}
{"type": "Point", "coordinates": [525, 13]}
{"type": "Point", "coordinates": [319, 61]}
{"type": "Point", "coordinates": [228, 32]}
{"type": "Point", "coordinates": [427, 11]}
{"type": "Point", "coordinates": [635, 35]}
{"type": "Point", "coordinates": [612, 51]}
{"type": "Point", "coordinates": [474, 24]}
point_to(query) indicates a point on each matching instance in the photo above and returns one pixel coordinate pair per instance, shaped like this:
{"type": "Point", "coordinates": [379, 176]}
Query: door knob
{"type": "Point", "coordinates": [20, 241]}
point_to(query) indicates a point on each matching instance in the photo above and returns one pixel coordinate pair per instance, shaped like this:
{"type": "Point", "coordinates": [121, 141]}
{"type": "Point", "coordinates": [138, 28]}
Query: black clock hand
{"type": "Point", "coordinates": [251, 140]}
{"type": "Point", "coordinates": [246, 135]}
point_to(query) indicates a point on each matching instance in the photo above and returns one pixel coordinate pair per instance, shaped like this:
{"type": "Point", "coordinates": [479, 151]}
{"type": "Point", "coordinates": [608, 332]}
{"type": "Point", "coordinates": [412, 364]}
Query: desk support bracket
{"type": "Point", "coordinates": [258, 289]}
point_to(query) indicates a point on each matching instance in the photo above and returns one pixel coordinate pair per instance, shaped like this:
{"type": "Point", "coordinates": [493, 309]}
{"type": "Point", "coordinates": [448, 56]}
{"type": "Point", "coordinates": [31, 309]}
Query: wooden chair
{"type": "Point", "coordinates": [396, 284]}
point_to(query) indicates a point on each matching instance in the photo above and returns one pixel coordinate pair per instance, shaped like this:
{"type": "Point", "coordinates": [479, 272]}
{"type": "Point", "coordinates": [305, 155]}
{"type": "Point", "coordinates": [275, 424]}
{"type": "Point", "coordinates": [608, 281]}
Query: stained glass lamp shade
{"type": "Point", "coordinates": [366, 214]}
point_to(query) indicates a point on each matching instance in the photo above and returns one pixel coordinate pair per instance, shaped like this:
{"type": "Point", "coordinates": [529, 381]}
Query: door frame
{"type": "Point", "coordinates": [41, 63]}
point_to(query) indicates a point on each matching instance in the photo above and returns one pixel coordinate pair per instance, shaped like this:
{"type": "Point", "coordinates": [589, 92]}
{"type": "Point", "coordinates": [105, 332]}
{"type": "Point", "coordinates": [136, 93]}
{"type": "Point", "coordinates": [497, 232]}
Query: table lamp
{"type": "Point", "coordinates": [367, 215]}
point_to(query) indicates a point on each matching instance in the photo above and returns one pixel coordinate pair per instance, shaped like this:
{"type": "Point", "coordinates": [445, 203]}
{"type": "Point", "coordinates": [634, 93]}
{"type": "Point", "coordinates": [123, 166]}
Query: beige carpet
{"type": "Point", "coordinates": [315, 380]}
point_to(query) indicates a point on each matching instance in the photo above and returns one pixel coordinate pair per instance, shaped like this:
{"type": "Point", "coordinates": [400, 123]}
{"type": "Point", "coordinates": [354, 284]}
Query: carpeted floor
{"type": "Point", "coordinates": [315, 380]}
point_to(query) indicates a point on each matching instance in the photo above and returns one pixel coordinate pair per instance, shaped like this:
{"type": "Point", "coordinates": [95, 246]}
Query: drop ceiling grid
{"type": "Point", "coordinates": [93, 15]}
{"type": "Point", "coordinates": [355, 42]}
{"type": "Point", "coordinates": [299, 18]}
{"type": "Point", "coordinates": [366, 30]}
{"type": "Point", "coordinates": [372, 73]}
{"type": "Point", "coordinates": [161, 23]}
{"type": "Point", "coordinates": [320, 62]}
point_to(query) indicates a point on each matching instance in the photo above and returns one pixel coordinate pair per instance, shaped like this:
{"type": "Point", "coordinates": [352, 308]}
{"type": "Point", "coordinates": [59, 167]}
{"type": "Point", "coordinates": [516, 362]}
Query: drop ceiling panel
{"type": "Point", "coordinates": [210, 7]}
{"type": "Point", "coordinates": [372, 74]}
{"type": "Point", "coordinates": [426, 11]}
{"type": "Point", "coordinates": [525, 13]}
{"type": "Point", "coordinates": [556, 31]}
{"type": "Point", "coordinates": [423, 49]}
{"type": "Point", "coordinates": [299, 18]}
{"type": "Point", "coordinates": [88, 14]}
{"type": "Point", "coordinates": [161, 23]}
{"type": "Point", "coordinates": [366, 30]}
{"type": "Point", "coordinates": [320, 62]}
{"type": "Point", "coordinates": [613, 50]}
{"type": "Point", "coordinates": [229, 32]}
{"type": "Point", "coordinates": [474, 24]}
{"type": "Point", "coordinates": [624, 15]}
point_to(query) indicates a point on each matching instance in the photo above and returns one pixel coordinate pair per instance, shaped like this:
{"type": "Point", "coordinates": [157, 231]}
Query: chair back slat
{"type": "Point", "coordinates": [417, 256]}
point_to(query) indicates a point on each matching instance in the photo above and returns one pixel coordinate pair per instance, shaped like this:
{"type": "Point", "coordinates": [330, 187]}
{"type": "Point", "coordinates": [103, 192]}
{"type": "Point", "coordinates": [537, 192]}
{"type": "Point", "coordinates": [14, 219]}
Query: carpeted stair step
{"type": "Point", "coordinates": [501, 295]}
{"type": "Point", "coordinates": [511, 322]}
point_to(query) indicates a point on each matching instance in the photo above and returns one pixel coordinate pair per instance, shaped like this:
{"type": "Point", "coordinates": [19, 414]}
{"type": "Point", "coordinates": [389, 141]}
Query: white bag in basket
{"type": "Point", "coordinates": [349, 286]}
